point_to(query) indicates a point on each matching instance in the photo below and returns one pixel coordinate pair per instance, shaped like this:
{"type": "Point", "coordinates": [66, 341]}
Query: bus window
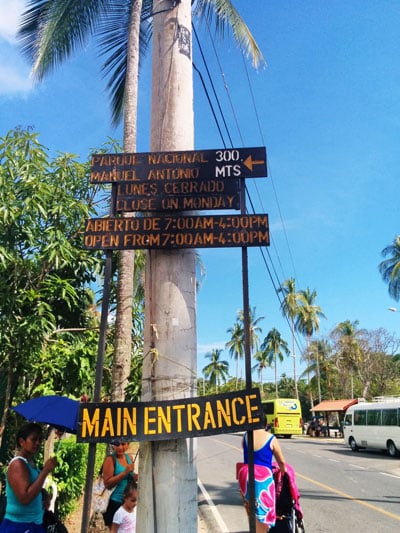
{"type": "Point", "coordinates": [348, 421]}
{"type": "Point", "coordinates": [360, 418]}
{"type": "Point", "coordinates": [374, 417]}
{"type": "Point", "coordinates": [389, 417]}
{"type": "Point", "coordinates": [268, 408]}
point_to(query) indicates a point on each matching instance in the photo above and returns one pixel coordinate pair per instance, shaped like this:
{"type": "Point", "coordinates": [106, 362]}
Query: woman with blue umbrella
{"type": "Point", "coordinates": [24, 483]}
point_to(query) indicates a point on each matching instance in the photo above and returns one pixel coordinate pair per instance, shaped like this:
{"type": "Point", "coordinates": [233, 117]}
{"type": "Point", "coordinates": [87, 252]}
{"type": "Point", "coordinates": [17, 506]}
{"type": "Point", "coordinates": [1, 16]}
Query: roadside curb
{"type": "Point", "coordinates": [209, 520]}
{"type": "Point", "coordinates": [206, 522]}
{"type": "Point", "coordinates": [307, 437]}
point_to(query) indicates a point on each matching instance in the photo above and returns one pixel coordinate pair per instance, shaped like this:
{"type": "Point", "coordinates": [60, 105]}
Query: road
{"type": "Point", "coordinates": [340, 490]}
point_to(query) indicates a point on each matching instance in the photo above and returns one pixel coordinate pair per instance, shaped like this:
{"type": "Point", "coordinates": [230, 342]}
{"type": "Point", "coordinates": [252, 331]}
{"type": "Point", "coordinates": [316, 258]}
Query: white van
{"type": "Point", "coordinates": [374, 425]}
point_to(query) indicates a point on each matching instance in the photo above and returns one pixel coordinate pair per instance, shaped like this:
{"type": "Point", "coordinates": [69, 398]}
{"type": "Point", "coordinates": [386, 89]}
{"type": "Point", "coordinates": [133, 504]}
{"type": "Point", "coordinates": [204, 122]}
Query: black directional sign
{"type": "Point", "coordinates": [169, 231]}
{"type": "Point", "coordinates": [171, 419]}
{"type": "Point", "coordinates": [189, 195]}
{"type": "Point", "coordinates": [180, 165]}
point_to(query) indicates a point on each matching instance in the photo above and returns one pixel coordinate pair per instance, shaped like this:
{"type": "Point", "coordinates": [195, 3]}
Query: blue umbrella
{"type": "Point", "coordinates": [57, 411]}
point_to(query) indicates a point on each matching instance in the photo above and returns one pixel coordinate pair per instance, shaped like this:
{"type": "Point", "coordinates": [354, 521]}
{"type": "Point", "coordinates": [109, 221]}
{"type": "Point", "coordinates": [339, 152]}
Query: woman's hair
{"type": "Point", "coordinates": [27, 430]}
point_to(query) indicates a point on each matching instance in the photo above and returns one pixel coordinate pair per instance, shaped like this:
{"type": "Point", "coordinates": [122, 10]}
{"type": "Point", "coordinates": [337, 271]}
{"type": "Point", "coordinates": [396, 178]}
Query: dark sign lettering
{"type": "Point", "coordinates": [178, 195]}
{"type": "Point", "coordinates": [173, 419]}
{"type": "Point", "coordinates": [180, 165]}
{"type": "Point", "coordinates": [171, 231]}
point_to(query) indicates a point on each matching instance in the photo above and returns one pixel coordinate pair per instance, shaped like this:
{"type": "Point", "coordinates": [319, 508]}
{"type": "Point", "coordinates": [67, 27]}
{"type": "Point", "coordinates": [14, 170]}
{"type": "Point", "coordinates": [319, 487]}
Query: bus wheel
{"type": "Point", "coordinates": [393, 452]}
{"type": "Point", "coordinates": [353, 444]}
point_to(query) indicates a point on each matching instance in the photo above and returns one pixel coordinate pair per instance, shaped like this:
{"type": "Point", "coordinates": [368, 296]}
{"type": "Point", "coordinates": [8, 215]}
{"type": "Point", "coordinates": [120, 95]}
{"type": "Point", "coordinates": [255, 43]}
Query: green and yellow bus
{"type": "Point", "coordinates": [283, 416]}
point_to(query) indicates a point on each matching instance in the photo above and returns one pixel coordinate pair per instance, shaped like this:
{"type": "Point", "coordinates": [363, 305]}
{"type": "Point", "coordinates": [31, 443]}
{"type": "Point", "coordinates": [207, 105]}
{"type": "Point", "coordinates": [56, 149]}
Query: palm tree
{"type": "Point", "coordinates": [346, 335]}
{"type": "Point", "coordinates": [290, 309]}
{"type": "Point", "coordinates": [275, 348]}
{"type": "Point", "coordinates": [318, 354]}
{"type": "Point", "coordinates": [263, 362]}
{"type": "Point", "coordinates": [286, 386]}
{"type": "Point", "coordinates": [254, 328]}
{"type": "Point", "coordinates": [308, 324]}
{"type": "Point", "coordinates": [216, 370]}
{"type": "Point", "coordinates": [51, 31]}
{"type": "Point", "coordinates": [236, 345]}
{"type": "Point", "coordinates": [390, 268]}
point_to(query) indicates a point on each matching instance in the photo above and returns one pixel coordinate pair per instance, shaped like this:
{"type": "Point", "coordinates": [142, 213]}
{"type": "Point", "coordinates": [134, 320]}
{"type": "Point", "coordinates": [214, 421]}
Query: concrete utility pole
{"type": "Point", "coordinates": [167, 471]}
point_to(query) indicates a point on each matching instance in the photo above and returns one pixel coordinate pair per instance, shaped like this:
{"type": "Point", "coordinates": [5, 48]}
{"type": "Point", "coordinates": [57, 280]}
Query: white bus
{"type": "Point", "coordinates": [374, 425]}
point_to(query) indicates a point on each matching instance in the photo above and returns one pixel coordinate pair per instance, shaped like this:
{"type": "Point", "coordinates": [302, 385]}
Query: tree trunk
{"type": "Point", "coordinates": [126, 258]}
{"type": "Point", "coordinates": [167, 469]}
{"type": "Point", "coordinates": [294, 361]}
{"type": "Point", "coordinates": [318, 378]}
{"type": "Point", "coordinates": [310, 392]}
{"type": "Point", "coordinates": [6, 398]}
{"type": "Point", "coordinates": [237, 370]}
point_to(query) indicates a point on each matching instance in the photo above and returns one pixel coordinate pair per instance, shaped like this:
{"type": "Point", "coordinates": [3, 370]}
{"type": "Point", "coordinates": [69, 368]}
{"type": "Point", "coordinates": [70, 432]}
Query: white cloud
{"type": "Point", "coordinates": [13, 81]}
{"type": "Point", "coordinates": [14, 73]}
{"type": "Point", "coordinates": [10, 12]}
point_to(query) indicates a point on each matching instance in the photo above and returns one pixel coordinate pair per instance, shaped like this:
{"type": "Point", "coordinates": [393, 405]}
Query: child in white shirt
{"type": "Point", "coordinates": [124, 520]}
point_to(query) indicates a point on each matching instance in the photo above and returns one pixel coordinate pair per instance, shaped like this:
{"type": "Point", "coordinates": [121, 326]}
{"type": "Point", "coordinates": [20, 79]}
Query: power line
{"type": "Point", "coordinates": [275, 282]}
{"type": "Point", "coordinates": [213, 88]}
{"type": "Point", "coordinates": [269, 169]}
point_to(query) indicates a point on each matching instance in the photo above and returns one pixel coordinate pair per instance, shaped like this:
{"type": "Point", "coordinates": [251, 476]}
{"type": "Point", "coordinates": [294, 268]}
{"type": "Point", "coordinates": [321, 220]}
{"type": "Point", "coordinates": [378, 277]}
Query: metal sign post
{"type": "Point", "coordinates": [247, 355]}
{"type": "Point", "coordinates": [99, 376]}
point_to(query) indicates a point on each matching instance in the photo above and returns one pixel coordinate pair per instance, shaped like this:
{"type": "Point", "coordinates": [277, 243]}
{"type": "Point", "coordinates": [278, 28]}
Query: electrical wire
{"type": "Point", "coordinates": [271, 270]}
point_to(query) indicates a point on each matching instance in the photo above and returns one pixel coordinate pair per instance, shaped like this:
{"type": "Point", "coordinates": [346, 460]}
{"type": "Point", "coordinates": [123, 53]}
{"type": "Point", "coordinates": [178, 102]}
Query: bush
{"type": "Point", "coordinates": [70, 474]}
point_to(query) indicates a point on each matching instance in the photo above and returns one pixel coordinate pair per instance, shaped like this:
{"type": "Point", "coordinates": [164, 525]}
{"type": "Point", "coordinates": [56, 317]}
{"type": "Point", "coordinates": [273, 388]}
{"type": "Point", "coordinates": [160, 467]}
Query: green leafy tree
{"type": "Point", "coordinates": [321, 363]}
{"type": "Point", "coordinates": [45, 274]}
{"type": "Point", "coordinates": [275, 348]}
{"type": "Point", "coordinates": [390, 268]}
{"type": "Point", "coordinates": [374, 369]}
{"type": "Point", "coordinates": [346, 336]}
{"type": "Point", "coordinates": [50, 32]}
{"type": "Point", "coordinates": [216, 371]}
{"type": "Point", "coordinates": [286, 387]}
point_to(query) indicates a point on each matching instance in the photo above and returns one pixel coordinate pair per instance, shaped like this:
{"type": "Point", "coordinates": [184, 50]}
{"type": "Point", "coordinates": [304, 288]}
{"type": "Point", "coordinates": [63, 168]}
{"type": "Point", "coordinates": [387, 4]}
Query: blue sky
{"type": "Point", "coordinates": [327, 108]}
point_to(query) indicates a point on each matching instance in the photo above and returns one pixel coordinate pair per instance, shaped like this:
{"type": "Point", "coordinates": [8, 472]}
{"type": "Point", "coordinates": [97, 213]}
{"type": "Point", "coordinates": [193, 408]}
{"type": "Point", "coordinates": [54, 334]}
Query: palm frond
{"type": "Point", "coordinates": [113, 45]}
{"type": "Point", "coordinates": [226, 16]}
{"type": "Point", "coordinates": [390, 268]}
{"type": "Point", "coordinates": [51, 30]}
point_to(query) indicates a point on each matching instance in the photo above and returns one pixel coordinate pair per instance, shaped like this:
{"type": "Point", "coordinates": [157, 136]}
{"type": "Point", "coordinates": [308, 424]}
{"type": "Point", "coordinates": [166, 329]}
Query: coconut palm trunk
{"type": "Point", "coordinates": [294, 360]}
{"type": "Point", "coordinates": [125, 286]}
{"type": "Point", "coordinates": [167, 472]}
